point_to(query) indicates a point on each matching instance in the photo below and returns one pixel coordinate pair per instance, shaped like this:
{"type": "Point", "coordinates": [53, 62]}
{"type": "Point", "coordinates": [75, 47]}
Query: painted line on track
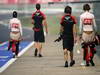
{"type": "Point", "coordinates": [13, 59]}
{"type": "Point", "coordinates": [4, 43]}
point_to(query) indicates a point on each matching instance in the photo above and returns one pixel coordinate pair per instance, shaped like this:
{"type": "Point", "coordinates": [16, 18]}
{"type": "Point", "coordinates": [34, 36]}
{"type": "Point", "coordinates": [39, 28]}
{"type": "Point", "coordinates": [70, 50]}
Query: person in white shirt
{"type": "Point", "coordinates": [15, 33]}
{"type": "Point", "coordinates": [87, 30]}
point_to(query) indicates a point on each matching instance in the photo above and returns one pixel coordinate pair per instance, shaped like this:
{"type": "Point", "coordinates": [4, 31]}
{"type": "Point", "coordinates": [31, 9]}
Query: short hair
{"type": "Point", "coordinates": [68, 10]}
{"type": "Point", "coordinates": [38, 6]}
{"type": "Point", "coordinates": [14, 14]}
{"type": "Point", "coordinates": [86, 7]}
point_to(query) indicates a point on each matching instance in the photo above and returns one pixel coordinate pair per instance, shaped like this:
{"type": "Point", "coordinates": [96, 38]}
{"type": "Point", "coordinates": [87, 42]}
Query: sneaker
{"type": "Point", "coordinates": [94, 52]}
{"type": "Point", "coordinates": [87, 64]}
{"type": "Point", "coordinates": [40, 55]}
{"type": "Point", "coordinates": [35, 53]}
{"type": "Point", "coordinates": [92, 63]}
{"type": "Point", "coordinates": [72, 62]}
{"type": "Point", "coordinates": [14, 55]}
{"type": "Point", "coordinates": [66, 64]}
{"type": "Point", "coordinates": [83, 63]}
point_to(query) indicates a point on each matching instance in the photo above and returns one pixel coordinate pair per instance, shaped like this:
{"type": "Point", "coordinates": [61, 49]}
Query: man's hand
{"type": "Point", "coordinates": [45, 33]}
{"type": "Point", "coordinates": [20, 39]}
{"type": "Point", "coordinates": [57, 40]}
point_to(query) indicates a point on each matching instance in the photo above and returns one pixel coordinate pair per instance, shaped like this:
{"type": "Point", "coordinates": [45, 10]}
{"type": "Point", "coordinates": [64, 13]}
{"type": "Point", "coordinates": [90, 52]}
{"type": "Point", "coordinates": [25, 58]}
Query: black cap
{"type": "Point", "coordinates": [14, 14]}
{"type": "Point", "coordinates": [86, 7]}
{"type": "Point", "coordinates": [38, 6]}
{"type": "Point", "coordinates": [68, 10]}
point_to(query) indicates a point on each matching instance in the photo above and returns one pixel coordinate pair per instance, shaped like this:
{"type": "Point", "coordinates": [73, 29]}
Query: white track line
{"type": "Point", "coordinates": [7, 64]}
{"type": "Point", "coordinates": [4, 43]}
{"type": "Point", "coordinates": [13, 59]}
{"type": "Point", "coordinates": [25, 49]}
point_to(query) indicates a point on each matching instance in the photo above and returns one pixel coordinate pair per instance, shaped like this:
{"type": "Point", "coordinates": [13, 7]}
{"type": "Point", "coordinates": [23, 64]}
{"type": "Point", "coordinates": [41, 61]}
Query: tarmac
{"type": "Point", "coordinates": [52, 62]}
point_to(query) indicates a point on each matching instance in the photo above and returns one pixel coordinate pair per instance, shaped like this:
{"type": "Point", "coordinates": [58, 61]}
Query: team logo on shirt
{"type": "Point", "coordinates": [15, 25]}
{"type": "Point", "coordinates": [68, 19]}
{"type": "Point", "coordinates": [37, 14]}
{"type": "Point", "coordinates": [87, 21]}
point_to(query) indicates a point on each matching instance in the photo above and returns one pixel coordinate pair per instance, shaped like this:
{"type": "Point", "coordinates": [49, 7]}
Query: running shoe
{"type": "Point", "coordinates": [66, 64]}
{"type": "Point", "coordinates": [83, 63]}
{"type": "Point", "coordinates": [72, 63]}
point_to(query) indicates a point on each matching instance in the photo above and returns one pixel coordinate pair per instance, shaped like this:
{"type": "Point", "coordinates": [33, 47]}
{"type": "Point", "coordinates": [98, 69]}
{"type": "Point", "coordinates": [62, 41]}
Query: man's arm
{"type": "Point", "coordinates": [80, 26]}
{"type": "Point", "coordinates": [61, 34]}
{"type": "Point", "coordinates": [9, 25]}
{"type": "Point", "coordinates": [20, 26]}
{"type": "Point", "coordinates": [94, 24]}
{"type": "Point", "coordinates": [75, 32]}
{"type": "Point", "coordinates": [61, 28]}
{"type": "Point", "coordinates": [46, 26]}
{"type": "Point", "coordinates": [32, 21]}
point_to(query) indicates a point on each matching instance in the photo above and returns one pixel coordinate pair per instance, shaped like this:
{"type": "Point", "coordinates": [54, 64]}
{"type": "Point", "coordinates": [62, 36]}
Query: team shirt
{"type": "Point", "coordinates": [15, 25]}
{"type": "Point", "coordinates": [38, 18]}
{"type": "Point", "coordinates": [67, 22]}
{"type": "Point", "coordinates": [87, 22]}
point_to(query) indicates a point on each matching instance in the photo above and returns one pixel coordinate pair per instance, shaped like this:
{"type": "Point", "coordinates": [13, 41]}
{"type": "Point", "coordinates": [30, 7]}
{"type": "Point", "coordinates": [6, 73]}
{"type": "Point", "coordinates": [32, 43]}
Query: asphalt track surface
{"type": "Point", "coordinates": [52, 62]}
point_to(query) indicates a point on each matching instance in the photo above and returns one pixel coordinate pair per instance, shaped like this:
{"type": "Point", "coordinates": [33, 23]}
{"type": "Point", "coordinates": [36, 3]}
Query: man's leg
{"type": "Point", "coordinates": [36, 48]}
{"type": "Point", "coordinates": [84, 54]}
{"type": "Point", "coordinates": [41, 40]}
{"type": "Point", "coordinates": [71, 57]}
{"type": "Point", "coordinates": [87, 56]}
{"type": "Point", "coordinates": [10, 45]}
{"type": "Point", "coordinates": [92, 50]}
{"type": "Point", "coordinates": [40, 49]}
{"type": "Point", "coordinates": [66, 57]}
{"type": "Point", "coordinates": [13, 49]}
{"type": "Point", "coordinates": [17, 48]}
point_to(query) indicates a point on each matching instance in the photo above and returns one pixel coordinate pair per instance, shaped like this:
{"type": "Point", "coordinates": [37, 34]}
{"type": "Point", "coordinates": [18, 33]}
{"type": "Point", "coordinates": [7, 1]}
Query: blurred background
{"type": "Point", "coordinates": [52, 8]}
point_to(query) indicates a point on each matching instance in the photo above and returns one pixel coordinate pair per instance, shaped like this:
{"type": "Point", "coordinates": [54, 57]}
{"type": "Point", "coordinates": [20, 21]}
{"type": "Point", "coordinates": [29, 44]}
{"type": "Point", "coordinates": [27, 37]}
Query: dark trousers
{"type": "Point", "coordinates": [88, 54]}
{"type": "Point", "coordinates": [15, 46]}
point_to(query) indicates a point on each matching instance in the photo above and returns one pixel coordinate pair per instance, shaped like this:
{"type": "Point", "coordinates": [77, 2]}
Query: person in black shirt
{"type": "Point", "coordinates": [38, 21]}
{"type": "Point", "coordinates": [68, 34]}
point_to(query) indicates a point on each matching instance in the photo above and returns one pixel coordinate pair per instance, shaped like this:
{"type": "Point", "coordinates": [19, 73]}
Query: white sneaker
{"type": "Point", "coordinates": [13, 55]}
{"type": "Point", "coordinates": [83, 63]}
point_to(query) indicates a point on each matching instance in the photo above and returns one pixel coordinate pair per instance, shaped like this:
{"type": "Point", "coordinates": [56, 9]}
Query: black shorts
{"type": "Point", "coordinates": [39, 36]}
{"type": "Point", "coordinates": [68, 43]}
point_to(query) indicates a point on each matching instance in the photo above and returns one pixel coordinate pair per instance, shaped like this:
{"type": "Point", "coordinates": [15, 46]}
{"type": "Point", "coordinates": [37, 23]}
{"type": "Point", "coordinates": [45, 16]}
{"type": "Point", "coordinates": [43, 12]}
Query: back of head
{"type": "Point", "coordinates": [86, 7]}
{"type": "Point", "coordinates": [38, 6]}
{"type": "Point", "coordinates": [14, 14]}
{"type": "Point", "coordinates": [68, 10]}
